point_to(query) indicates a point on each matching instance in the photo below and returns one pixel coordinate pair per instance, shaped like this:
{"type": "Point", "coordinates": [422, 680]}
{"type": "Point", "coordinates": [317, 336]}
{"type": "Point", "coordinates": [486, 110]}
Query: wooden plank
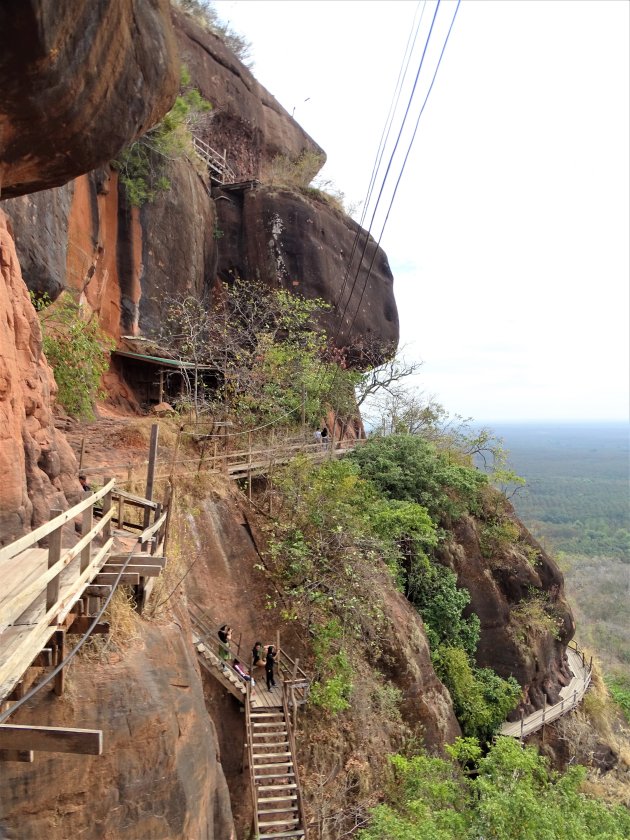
{"type": "Point", "coordinates": [15, 606]}
{"type": "Point", "coordinates": [81, 624]}
{"type": "Point", "coordinates": [98, 590]}
{"type": "Point", "coordinates": [59, 679]}
{"type": "Point", "coordinates": [51, 739]}
{"type": "Point", "coordinates": [17, 755]}
{"type": "Point", "coordinates": [39, 533]}
{"type": "Point", "coordinates": [111, 578]}
{"type": "Point", "coordinates": [137, 501]}
{"type": "Point", "coordinates": [144, 571]}
{"type": "Point", "coordinates": [148, 532]}
{"type": "Point", "coordinates": [54, 555]}
{"type": "Point", "coordinates": [137, 559]}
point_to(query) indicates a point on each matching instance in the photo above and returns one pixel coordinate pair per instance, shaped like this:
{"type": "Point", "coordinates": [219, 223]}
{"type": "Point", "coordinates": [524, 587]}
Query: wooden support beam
{"type": "Point", "coordinates": [54, 554]}
{"type": "Point", "coordinates": [110, 579]}
{"type": "Point", "coordinates": [59, 680]}
{"type": "Point", "coordinates": [136, 559]}
{"type": "Point", "coordinates": [17, 755]}
{"type": "Point", "coordinates": [97, 590]}
{"type": "Point", "coordinates": [81, 624]}
{"type": "Point", "coordinates": [144, 571]}
{"type": "Point", "coordinates": [43, 659]}
{"type": "Point", "coordinates": [51, 739]}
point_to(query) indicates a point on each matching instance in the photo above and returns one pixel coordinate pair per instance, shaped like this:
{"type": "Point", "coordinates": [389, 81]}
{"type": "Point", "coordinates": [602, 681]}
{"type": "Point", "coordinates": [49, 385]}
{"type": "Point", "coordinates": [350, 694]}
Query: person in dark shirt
{"type": "Point", "coordinates": [84, 484]}
{"type": "Point", "coordinates": [270, 661]}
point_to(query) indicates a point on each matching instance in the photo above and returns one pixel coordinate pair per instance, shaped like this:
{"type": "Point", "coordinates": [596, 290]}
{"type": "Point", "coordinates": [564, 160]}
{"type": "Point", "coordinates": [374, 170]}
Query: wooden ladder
{"type": "Point", "coordinates": [273, 769]}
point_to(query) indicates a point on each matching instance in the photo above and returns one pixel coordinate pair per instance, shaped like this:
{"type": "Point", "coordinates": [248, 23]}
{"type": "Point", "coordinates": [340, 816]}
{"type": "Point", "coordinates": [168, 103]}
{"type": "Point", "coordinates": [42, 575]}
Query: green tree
{"type": "Point", "coordinates": [142, 166]}
{"type": "Point", "coordinates": [78, 351]}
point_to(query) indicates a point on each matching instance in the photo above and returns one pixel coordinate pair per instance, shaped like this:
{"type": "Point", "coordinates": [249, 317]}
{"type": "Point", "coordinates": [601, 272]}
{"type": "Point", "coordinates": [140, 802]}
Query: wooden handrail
{"type": "Point", "coordinates": [293, 748]}
{"type": "Point", "coordinates": [249, 731]}
{"type": "Point", "coordinates": [48, 527]}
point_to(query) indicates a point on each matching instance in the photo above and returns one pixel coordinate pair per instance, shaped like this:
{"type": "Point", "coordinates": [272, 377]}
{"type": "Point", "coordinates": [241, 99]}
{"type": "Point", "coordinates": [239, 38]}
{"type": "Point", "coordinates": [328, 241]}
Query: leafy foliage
{"type": "Point", "coordinates": [481, 699]}
{"type": "Point", "coordinates": [77, 350]}
{"type": "Point", "coordinates": [333, 688]}
{"type": "Point", "coordinates": [407, 467]}
{"type": "Point", "coordinates": [142, 165]}
{"type": "Point", "coordinates": [619, 688]}
{"type": "Point", "coordinates": [510, 794]}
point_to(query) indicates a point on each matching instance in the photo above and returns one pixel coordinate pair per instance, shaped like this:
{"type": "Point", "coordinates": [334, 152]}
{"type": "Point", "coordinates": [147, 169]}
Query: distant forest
{"type": "Point", "coordinates": [578, 485]}
{"type": "Point", "coordinates": [577, 503]}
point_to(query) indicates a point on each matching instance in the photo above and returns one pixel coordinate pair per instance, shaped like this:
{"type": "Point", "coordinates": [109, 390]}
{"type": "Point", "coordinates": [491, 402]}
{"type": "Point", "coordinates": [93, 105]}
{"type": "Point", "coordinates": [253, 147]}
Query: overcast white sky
{"type": "Point", "coordinates": [508, 238]}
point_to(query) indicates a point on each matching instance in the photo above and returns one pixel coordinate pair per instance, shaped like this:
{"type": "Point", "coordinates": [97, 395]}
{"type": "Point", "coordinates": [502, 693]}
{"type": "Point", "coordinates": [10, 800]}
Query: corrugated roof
{"type": "Point", "coordinates": [157, 360]}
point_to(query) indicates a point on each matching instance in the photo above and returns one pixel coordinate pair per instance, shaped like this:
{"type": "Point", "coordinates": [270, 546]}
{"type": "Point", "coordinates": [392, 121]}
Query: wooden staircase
{"type": "Point", "coordinates": [273, 769]}
{"type": "Point", "coordinates": [219, 669]}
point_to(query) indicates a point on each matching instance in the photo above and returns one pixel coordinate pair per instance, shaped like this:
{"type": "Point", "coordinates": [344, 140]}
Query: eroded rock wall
{"type": "Point", "coordinates": [248, 123]}
{"type": "Point", "coordinates": [526, 644]}
{"type": "Point", "coordinates": [38, 468]}
{"type": "Point", "coordinates": [80, 79]}
{"type": "Point", "coordinates": [160, 774]}
{"type": "Point", "coordinates": [287, 240]}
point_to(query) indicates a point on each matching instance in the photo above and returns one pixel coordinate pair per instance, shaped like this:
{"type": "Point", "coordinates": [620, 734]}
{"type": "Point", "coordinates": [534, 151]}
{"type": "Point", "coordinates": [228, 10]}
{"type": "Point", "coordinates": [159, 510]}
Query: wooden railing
{"type": "Point", "coordinates": [286, 705]}
{"type": "Point", "coordinates": [249, 735]}
{"type": "Point", "coordinates": [217, 163]}
{"type": "Point", "coordinates": [535, 721]}
{"type": "Point", "coordinates": [11, 609]}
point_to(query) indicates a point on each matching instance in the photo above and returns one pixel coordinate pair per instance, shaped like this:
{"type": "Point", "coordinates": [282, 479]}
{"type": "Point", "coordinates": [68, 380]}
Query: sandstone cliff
{"type": "Point", "coordinates": [37, 466]}
{"type": "Point", "coordinates": [126, 261]}
{"type": "Point", "coordinates": [79, 81]}
{"type": "Point", "coordinates": [160, 775]}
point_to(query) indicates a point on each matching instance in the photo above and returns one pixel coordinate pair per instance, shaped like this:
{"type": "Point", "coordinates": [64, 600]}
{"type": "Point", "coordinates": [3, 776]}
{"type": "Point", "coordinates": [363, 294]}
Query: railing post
{"type": "Point", "coordinates": [249, 465]}
{"type": "Point", "coordinates": [107, 506]}
{"type": "Point", "coordinates": [575, 697]}
{"type": "Point", "coordinates": [54, 553]}
{"type": "Point", "coordinates": [86, 526]}
{"type": "Point", "coordinates": [522, 722]}
{"type": "Point", "coordinates": [544, 708]}
{"type": "Point", "coordinates": [156, 536]}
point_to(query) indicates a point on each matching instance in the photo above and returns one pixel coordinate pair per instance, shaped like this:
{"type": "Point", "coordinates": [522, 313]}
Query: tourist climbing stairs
{"type": "Point", "coordinates": [213, 655]}
{"type": "Point", "coordinates": [278, 810]}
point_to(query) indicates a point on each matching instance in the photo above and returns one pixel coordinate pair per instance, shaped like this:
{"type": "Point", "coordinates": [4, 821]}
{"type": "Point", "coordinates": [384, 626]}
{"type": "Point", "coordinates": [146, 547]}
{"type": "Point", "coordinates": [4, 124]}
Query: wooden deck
{"type": "Point", "coordinates": [49, 592]}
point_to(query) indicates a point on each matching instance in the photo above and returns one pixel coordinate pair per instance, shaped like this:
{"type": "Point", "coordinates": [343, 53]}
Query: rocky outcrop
{"type": "Point", "coordinates": [126, 262]}
{"type": "Point", "coordinates": [248, 122]}
{"type": "Point", "coordinates": [80, 80]}
{"type": "Point", "coordinates": [518, 593]}
{"type": "Point", "coordinates": [160, 774]}
{"type": "Point", "coordinates": [294, 241]}
{"type": "Point", "coordinates": [38, 467]}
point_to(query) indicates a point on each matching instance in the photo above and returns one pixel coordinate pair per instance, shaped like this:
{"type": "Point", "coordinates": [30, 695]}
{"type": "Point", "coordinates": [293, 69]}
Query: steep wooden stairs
{"type": "Point", "coordinates": [278, 811]}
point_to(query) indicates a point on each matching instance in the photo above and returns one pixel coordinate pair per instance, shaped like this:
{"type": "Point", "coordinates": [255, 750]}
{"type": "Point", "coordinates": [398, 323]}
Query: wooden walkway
{"type": "Point", "coordinates": [571, 695]}
{"type": "Point", "coordinates": [270, 726]}
{"type": "Point", "coordinates": [50, 592]}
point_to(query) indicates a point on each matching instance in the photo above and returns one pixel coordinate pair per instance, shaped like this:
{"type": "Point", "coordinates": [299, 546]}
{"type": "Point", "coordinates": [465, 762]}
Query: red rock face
{"type": "Point", "coordinates": [80, 79]}
{"type": "Point", "coordinates": [291, 241]}
{"type": "Point", "coordinates": [497, 585]}
{"type": "Point", "coordinates": [37, 466]}
{"type": "Point", "coordinates": [160, 774]}
{"type": "Point", "coordinates": [247, 122]}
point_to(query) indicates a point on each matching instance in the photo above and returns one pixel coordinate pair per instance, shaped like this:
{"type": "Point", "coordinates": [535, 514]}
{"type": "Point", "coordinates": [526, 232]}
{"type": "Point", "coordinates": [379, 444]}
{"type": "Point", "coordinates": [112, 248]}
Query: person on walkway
{"type": "Point", "coordinates": [259, 653]}
{"type": "Point", "coordinates": [324, 437]}
{"type": "Point", "coordinates": [243, 673]}
{"type": "Point", "coordinates": [225, 635]}
{"type": "Point", "coordinates": [84, 483]}
{"type": "Point", "coordinates": [270, 661]}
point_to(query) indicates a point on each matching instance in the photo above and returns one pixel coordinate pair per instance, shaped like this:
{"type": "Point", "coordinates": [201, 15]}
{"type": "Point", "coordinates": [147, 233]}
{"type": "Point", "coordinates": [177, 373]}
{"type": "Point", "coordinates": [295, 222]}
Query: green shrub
{"type": "Point", "coordinates": [510, 794]}
{"type": "Point", "coordinates": [619, 688]}
{"type": "Point", "coordinates": [409, 468]}
{"type": "Point", "coordinates": [481, 698]}
{"type": "Point", "coordinates": [332, 689]}
{"type": "Point", "coordinates": [534, 616]}
{"type": "Point", "coordinates": [78, 352]}
{"type": "Point", "coordinates": [142, 166]}
{"type": "Point", "coordinates": [498, 535]}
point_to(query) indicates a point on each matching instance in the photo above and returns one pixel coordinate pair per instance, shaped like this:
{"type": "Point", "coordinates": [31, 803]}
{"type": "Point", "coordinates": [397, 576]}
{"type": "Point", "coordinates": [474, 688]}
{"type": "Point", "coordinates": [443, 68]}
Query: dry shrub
{"type": "Point", "coordinates": [124, 625]}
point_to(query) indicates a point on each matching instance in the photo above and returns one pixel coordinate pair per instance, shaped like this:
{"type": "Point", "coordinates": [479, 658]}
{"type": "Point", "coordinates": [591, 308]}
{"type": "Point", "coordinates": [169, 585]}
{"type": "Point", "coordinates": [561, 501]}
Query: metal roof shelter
{"type": "Point", "coordinates": [139, 372]}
